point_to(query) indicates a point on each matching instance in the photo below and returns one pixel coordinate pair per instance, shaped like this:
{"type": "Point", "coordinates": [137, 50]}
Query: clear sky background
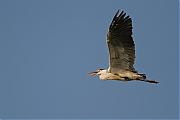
{"type": "Point", "coordinates": [48, 46]}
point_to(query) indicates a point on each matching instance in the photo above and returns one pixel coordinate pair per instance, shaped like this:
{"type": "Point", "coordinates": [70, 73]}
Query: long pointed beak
{"type": "Point", "coordinates": [92, 73]}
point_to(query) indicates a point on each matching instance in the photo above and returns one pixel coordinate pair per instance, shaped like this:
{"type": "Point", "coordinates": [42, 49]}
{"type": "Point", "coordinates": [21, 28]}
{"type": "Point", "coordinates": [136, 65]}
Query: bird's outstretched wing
{"type": "Point", "coordinates": [120, 43]}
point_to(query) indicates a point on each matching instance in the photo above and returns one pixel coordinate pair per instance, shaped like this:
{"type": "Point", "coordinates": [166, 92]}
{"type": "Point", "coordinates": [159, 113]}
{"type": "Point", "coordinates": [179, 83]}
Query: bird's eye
{"type": "Point", "coordinates": [97, 71]}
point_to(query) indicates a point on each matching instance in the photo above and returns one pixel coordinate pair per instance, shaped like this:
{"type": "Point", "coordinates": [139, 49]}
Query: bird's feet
{"type": "Point", "coordinates": [150, 81]}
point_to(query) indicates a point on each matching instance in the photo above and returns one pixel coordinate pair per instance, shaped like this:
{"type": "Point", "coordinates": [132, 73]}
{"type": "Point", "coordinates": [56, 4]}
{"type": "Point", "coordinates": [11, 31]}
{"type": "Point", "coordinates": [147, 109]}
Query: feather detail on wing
{"type": "Point", "coordinates": [120, 43]}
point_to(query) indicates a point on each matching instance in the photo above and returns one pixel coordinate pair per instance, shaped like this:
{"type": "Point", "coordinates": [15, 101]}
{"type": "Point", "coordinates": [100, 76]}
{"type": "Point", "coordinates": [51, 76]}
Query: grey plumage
{"type": "Point", "coordinates": [120, 43]}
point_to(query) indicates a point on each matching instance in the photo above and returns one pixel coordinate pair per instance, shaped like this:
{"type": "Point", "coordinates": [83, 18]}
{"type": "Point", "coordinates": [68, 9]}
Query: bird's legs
{"type": "Point", "coordinates": [143, 78]}
{"type": "Point", "coordinates": [150, 81]}
{"type": "Point", "coordinates": [138, 77]}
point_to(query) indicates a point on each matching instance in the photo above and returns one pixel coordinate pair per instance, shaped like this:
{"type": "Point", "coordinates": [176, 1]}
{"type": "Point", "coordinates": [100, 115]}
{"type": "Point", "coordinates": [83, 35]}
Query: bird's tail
{"type": "Point", "coordinates": [143, 75]}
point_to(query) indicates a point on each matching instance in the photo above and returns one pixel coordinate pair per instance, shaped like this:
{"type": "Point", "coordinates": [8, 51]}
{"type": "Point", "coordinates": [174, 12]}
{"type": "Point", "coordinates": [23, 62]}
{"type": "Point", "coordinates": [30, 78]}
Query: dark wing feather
{"type": "Point", "coordinates": [120, 43]}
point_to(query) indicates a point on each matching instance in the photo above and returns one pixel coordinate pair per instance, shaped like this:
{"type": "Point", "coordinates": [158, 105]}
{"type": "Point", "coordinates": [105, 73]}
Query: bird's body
{"type": "Point", "coordinates": [121, 52]}
{"type": "Point", "coordinates": [122, 75]}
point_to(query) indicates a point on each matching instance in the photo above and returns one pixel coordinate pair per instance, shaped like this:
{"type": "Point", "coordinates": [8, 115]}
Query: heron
{"type": "Point", "coordinates": [121, 52]}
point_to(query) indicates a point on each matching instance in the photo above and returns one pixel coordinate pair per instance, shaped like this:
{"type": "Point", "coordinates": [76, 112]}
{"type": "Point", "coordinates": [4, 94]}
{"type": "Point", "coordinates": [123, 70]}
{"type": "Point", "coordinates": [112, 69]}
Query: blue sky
{"type": "Point", "coordinates": [47, 48]}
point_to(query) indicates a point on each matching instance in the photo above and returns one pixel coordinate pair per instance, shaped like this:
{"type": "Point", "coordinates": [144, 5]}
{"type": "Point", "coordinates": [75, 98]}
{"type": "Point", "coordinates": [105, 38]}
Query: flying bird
{"type": "Point", "coordinates": [121, 52]}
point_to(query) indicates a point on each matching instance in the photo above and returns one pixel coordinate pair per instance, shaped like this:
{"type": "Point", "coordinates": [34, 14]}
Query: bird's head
{"type": "Point", "coordinates": [97, 72]}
